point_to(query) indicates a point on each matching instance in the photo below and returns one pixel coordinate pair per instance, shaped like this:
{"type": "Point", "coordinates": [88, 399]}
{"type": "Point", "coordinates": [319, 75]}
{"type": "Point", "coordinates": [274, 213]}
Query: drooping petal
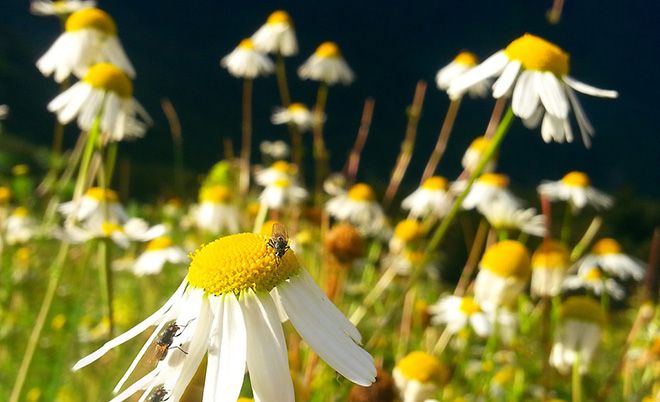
{"type": "Point", "coordinates": [552, 94]}
{"type": "Point", "coordinates": [503, 84]}
{"type": "Point", "coordinates": [525, 99]}
{"type": "Point", "coordinates": [588, 89]}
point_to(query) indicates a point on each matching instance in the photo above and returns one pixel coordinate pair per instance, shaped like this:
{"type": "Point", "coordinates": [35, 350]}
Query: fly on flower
{"type": "Point", "coordinates": [279, 240]}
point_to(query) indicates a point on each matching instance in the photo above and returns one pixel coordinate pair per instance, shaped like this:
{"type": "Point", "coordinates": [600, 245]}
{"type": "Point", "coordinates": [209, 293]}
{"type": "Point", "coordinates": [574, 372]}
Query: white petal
{"type": "Point", "coordinates": [490, 67]}
{"type": "Point", "coordinates": [142, 383]}
{"type": "Point", "coordinates": [551, 127]}
{"type": "Point", "coordinates": [506, 80]}
{"type": "Point", "coordinates": [588, 89]}
{"type": "Point", "coordinates": [533, 121]}
{"type": "Point", "coordinates": [525, 99]}
{"type": "Point", "coordinates": [586, 128]}
{"type": "Point", "coordinates": [552, 94]}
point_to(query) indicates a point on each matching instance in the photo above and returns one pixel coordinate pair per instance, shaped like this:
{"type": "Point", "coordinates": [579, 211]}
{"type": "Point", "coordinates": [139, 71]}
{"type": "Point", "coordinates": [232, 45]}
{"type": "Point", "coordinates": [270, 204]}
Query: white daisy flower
{"type": "Point", "coordinates": [503, 273]}
{"type": "Point", "coordinates": [457, 313]}
{"type": "Point", "coordinates": [279, 170]}
{"type": "Point", "coordinates": [229, 307]}
{"type": "Point", "coordinates": [405, 233]}
{"type": "Point", "coordinates": [20, 226]}
{"type": "Point", "coordinates": [431, 198]}
{"type": "Point", "coordinates": [275, 149]}
{"type": "Point", "coordinates": [105, 93]}
{"type": "Point", "coordinates": [296, 114]}
{"type": "Point", "coordinates": [282, 193]}
{"type": "Point", "coordinates": [135, 229]}
{"type": "Point", "coordinates": [59, 7]}
{"type": "Point", "coordinates": [459, 66]}
{"type": "Point", "coordinates": [535, 73]}
{"type": "Point", "coordinates": [579, 333]}
{"type": "Point", "coordinates": [502, 215]}
{"type": "Point", "coordinates": [90, 37]}
{"type": "Point", "coordinates": [575, 188]}
{"type": "Point", "coordinates": [608, 256]}
{"type": "Point", "coordinates": [486, 189]}
{"type": "Point", "coordinates": [593, 280]}
{"type": "Point", "coordinates": [247, 62]}
{"type": "Point", "coordinates": [418, 376]}
{"type": "Point", "coordinates": [473, 154]}
{"type": "Point", "coordinates": [327, 65]}
{"type": "Point", "coordinates": [90, 210]}
{"type": "Point", "coordinates": [358, 207]}
{"type": "Point", "coordinates": [215, 212]}
{"type": "Point", "coordinates": [277, 35]}
{"type": "Point", "coordinates": [159, 251]}
{"type": "Point", "coordinates": [550, 262]}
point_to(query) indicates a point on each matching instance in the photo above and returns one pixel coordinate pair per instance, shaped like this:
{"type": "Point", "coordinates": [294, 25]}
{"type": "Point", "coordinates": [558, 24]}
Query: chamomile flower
{"type": "Point", "coordinates": [487, 188]}
{"type": "Point", "coordinates": [406, 232]}
{"type": "Point", "coordinates": [90, 37]}
{"type": "Point", "coordinates": [104, 93]}
{"type": "Point", "coordinates": [550, 262]}
{"type": "Point", "coordinates": [20, 226]}
{"type": "Point", "coordinates": [229, 307]}
{"type": "Point", "coordinates": [473, 154]}
{"type": "Point", "coordinates": [503, 274]}
{"type": "Point", "coordinates": [90, 208]}
{"type": "Point", "coordinates": [275, 149]}
{"type": "Point", "coordinates": [462, 63]}
{"type": "Point", "coordinates": [535, 73]}
{"type": "Point", "coordinates": [327, 65]}
{"type": "Point", "coordinates": [279, 170]}
{"type": "Point", "coordinates": [608, 255]}
{"type": "Point", "coordinates": [159, 251]}
{"type": "Point", "coordinates": [458, 312]}
{"type": "Point", "coordinates": [135, 229]}
{"type": "Point", "coordinates": [593, 280]}
{"type": "Point", "coordinates": [575, 188]}
{"type": "Point", "coordinates": [247, 62]}
{"type": "Point", "coordinates": [277, 35]}
{"type": "Point", "coordinates": [297, 114]}
{"type": "Point", "coordinates": [503, 215]}
{"type": "Point", "coordinates": [431, 198]}
{"type": "Point", "coordinates": [358, 207]}
{"type": "Point", "coordinates": [215, 212]}
{"type": "Point", "coordinates": [418, 376]}
{"type": "Point", "coordinates": [282, 193]}
{"type": "Point", "coordinates": [59, 7]}
{"type": "Point", "coordinates": [581, 320]}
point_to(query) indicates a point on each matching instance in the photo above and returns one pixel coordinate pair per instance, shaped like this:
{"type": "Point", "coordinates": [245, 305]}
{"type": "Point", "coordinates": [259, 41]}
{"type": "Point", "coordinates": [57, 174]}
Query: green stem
{"type": "Point", "coordinates": [565, 235]}
{"type": "Point", "coordinates": [110, 162]}
{"type": "Point", "coordinates": [92, 137]}
{"type": "Point", "coordinates": [576, 383]}
{"type": "Point", "coordinates": [105, 279]}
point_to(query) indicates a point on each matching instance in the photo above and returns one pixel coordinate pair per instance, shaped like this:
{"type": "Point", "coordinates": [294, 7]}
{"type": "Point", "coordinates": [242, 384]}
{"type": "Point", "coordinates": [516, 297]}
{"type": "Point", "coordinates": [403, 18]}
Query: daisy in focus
{"type": "Point", "coordinates": [104, 96]}
{"type": "Point", "coordinates": [215, 212]}
{"type": "Point", "coordinates": [159, 251]}
{"type": "Point", "coordinates": [90, 37]}
{"type": "Point", "coordinates": [358, 207]}
{"type": "Point", "coordinates": [488, 188]}
{"type": "Point", "coordinates": [89, 209]}
{"type": "Point", "coordinates": [503, 215]}
{"type": "Point", "coordinates": [247, 62]}
{"type": "Point", "coordinates": [550, 262]}
{"type": "Point", "coordinates": [59, 7]}
{"type": "Point", "coordinates": [458, 312]}
{"type": "Point", "coordinates": [229, 307]}
{"type": "Point", "coordinates": [418, 376]}
{"type": "Point", "coordinates": [277, 35]}
{"type": "Point", "coordinates": [473, 154]}
{"type": "Point", "coordinates": [462, 63]}
{"type": "Point", "coordinates": [282, 193]}
{"type": "Point", "coordinates": [535, 73]}
{"type": "Point", "coordinates": [327, 65]}
{"type": "Point", "coordinates": [297, 114]}
{"type": "Point", "coordinates": [575, 188]}
{"type": "Point", "coordinates": [592, 279]}
{"type": "Point", "coordinates": [608, 255]}
{"type": "Point", "coordinates": [431, 198]}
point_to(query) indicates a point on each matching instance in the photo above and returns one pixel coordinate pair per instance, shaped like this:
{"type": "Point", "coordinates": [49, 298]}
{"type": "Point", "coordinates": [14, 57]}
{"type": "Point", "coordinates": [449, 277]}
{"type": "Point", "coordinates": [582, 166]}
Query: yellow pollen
{"type": "Point", "coordinates": [479, 144]}
{"type": "Point", "coordinates": [423, 367]}
{"type": "Point", "coordinates": [21, 212]}
{"type": "Point", "coordinates": [282, 183]}
{"type": "Point", "coordinates": [508, 258]}
{"type": "Point", "coordinates": [551, 254]}
{"type": "Point", "coordinates": [328, 50]}
{"type": "Point", "coordinates": [593, 275]}
{"type": "Point", "coordinates": [467, 59]}
{"type": "Point", "coordinates": [5, 194]}
{"type": "Point", "coordinates": [91, 18]}
{"type": "Point", "coordinates": [279, 17]}
{"type": "Point", "coordinates": [538, 54]}
{"type": "Point", "coordinates": [108, 77]}
{"type": "Point", "coordinates": [435, 183]}
{"type": "Point", "coordinates": [109, 228]}
{"type": "Point", "coordinates": [606, 246]}
{"type": "Point", "coordinates": [361, 192]}
{"type": "Point", "coordinates": [494, 179]}
{"type": "Point", "coordinates": [283, 167]}
{"type": "Point", "coordinates": [297, 107]}
{"type": "Point", "coordinates": [246, 44]}
{"type": "Point", "coordinates": [576, 179]}
{"type": "Point", "coordinates": [582, 308]}
{"type": "Point", "coordinates": [159, 243]}
{"type": "Point", "coordinates": [100, 194]}
{"type": "Point", "coordinates": [215, 194]}
{"type": "Point", "coordinates": [233, 264]}
{"type": "Point", "coordinates": [408, 230]}
{"type": "Point", "coordinates": [468, 306]}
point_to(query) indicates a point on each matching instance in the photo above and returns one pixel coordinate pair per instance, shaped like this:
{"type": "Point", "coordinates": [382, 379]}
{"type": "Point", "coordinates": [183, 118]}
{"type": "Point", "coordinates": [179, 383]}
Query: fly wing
{"type": "Point", "coordinates": [279, 231]}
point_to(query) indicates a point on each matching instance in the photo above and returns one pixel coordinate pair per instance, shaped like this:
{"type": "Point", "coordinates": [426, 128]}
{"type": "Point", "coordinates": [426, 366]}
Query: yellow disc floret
{"type": "Point", "coordinates": [101, 194]}
{"type": "Point", "coordinates": [576, 179]}
{"type": "Point", "coordinates": [5, 194]}
{"type": "Point", "coordinates": [361, 192]}
{"type": "Point", "coordinates": [468, 306]}
{"type": "Point", "coordinates": [108, 77]}
{"type": "Point", "coordinates": [246, 44]}
{"type": "Point", "coordinates": [235, 263]}
{"type": "Point", "coordinates": [279, 17]}
{"type": "Point", "coordinates": [494, 179]}
{"type": "Point", "coordinates": [479, 144]}
{"type": "Point", "coordinates": [435, 183]}
{"type": "Point", "coordinates": [20, 212]}
{"type": "Point", "coordinates": [408, 230]}
{"type": "Point", "coordinates": [606, 246]}
{"type": "Point", "coordinates": [551, 254]}
{"type": "Point", "coordinates": [508, 258]}
{"type": "Point", "coordinates": [91, 18]}
{"type": "Point", "coordinates": [328, 50]}
{"type": "Point", "coordinates": [159, 243]}
{"type": "Point", "coordinates": [582, 308]}
{"type": "Point", "coordinates": [108, 228]}
{"type": "Point", "coordinates": [423, 367]}
{"type": "Point", "coordinates": [593, 275]}
{"type": "Point", "coordinates": [283, 167]}
{"type": "Point", "coordinates": [297, 107]}
{"type": "Point", "coordinates": [538, 54]}
{"type": "Point", "coordinates": [468, 59]}
{"type": "Point", "coordinates": [215, 194]}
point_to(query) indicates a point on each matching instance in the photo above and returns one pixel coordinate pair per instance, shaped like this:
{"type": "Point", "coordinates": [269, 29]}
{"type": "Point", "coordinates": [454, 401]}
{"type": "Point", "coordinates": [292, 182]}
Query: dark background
{"type": "Point", "coordinates": [176, 46]}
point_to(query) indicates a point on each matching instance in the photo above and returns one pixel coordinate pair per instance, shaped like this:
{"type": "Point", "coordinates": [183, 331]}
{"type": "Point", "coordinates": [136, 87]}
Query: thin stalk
{"type": "Point", "coordinates": [406, 324]}
{"type": "Point", "coordinates": [246, 143]}
{"type": "Point", "coordinates": [351, 167]}
{"type": "Point", "coordinates": [565, 234]}
{"type": "Point", "coordinates": [282, 86]}
{"type": "Point", "coordinates": [554, 14]}
{"type": "Point", "coordinates": [586, 239]}
{"type": "Point", "coordinates": [261, 217]}
{"type": "Point", "coordinates": [495, 117]}
{"type": "Point", "coordinates": [473, 258]}
{"type": "Point", "coordinates": [576, 380]}
{"type": "Point", "coordinates": [373, 295]}
{"type": "Point", "coordinates": [443, 139]}
{"type": "Point", "coordinates": [110, 162]}
{"type": "Point", "coordinates": [58, 130]}
{"type": "Point", "coordinates": [105, 280]}
{"type": "Point", "coordinates": [92, 138]}
{"type": "Point", "coordinates": [320, 151]}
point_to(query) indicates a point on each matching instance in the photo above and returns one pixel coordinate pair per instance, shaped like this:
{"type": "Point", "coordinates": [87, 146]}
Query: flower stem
{"type": "Point", "coordinates": [443, 139]}
{"type": "Point", "coordinates": [473, 258]}
{"type": "Point", "coordinates": [280, 73]}
{"type": "Point", "coordinates": [105, 280]}
{"type": "Point", "coordinates": [565, 235]}
{"type": "Point", "coordinates": [351, 167]}
{"type": "Point", "coordinates": [320, 151]}
{"type": "Point", "coordinates": [246, 143]}
{"type": "Point", "coordinates": [576, 380]}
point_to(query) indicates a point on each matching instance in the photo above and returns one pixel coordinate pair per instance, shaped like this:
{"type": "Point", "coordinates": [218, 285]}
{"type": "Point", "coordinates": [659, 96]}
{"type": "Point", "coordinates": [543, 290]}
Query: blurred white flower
{"type": "Point", "coordinates": [461, 64]}
{"type": "Point", "coordinates": [575, 188]}
{"type": "Point", "coordinates": [158, 251]}
{"type": "Point", "coordinates": [275, 149]}
{"type": "Point", "coordinates": [458, 312]}
{"type": "Point", "coordinates": [358, 207]}
{"type": "Point", "coordinates": [503, 215]}
{"type": "Point", "coordinates": [282, 193]}
{"type": "Point", "coordinates": [277, 35]}
{"type": "Point", "coordinates": [247, 62]}
{"type": "Point", "coordinates": [327, 65]}
{"type": "Point", "coordinates": [431, 198]}
{"type": "Point", "coordinates": [59, 7]}
{"type": "Point", "coordinates": [296, 114]}
{"type": "Point", "coordinates": [487, 188]}
{"type": "Point", "coordinates": [608, 256]}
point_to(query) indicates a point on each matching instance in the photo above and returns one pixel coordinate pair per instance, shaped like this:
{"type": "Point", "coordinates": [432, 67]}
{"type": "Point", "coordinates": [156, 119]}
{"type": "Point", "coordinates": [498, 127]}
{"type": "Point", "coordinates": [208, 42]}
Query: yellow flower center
{"type": "Point", "coordinates": [435, 183]}
{"type": "Point", "coordinates": [593, 275]}
{"type": "Point", "coordinates": [100, 194]}
{"type": "Point", "coordinates": [422, 367]}
{"type": "Point", "coordinates": [494, 179]}
{"type": "Point", "coordinates": [215, 194]}
{"type": "Point", "coordinates": [582, 308]}
{"type": "Point", "coordinates": [91, 18]}
{"type": "Point", "coordinates": [283, 167]}
{"type": "Point", "coordinates": [245, 400]}
{"type": "Point", "coordinates": [109, 228]}
{"type": "Point", "coordinates": [297, 107]}
{"type": "Point", "coordinates": [479, 144]}
{"type": "Point", "coordinates": [5, 195]}
{"type": "Point", "coordinates": [508, 258]}
{"type": "Point", "coordinates": [468, 306]}
{"type": "Point", "coordinates": [551, 254]}
{"type": "Point", "coordinates": [408, 230]}
{"type": "Point", "coordinates": [535, 53]}
{"type": "Point", "coordinates": [467, 59]}
{"type": "Point", "coordinates": [108, 77]}
{"type": "Point", "coordinates": [282, 183]}
{"type": "Point", "coordinates": [361, 192]}
{"type": "Point", "coordinates": [576, 179]}
{"type": "Point", "coordinates": [328, 50]}
{"type": "Point", "coordinates": [57, 323]}
{"type": "Point", "coordinates": [279, 17]}
{"type": "Point", "coordinates": [235, 263]}
{"type": "Point", "coordinates": [159, 243]}
{"type": "Point", "coordinates": [606, 246]}
{"type": "Point", "coordinates": [21, 212]}
{"type": "Point", "coordinates": [246, 44]}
